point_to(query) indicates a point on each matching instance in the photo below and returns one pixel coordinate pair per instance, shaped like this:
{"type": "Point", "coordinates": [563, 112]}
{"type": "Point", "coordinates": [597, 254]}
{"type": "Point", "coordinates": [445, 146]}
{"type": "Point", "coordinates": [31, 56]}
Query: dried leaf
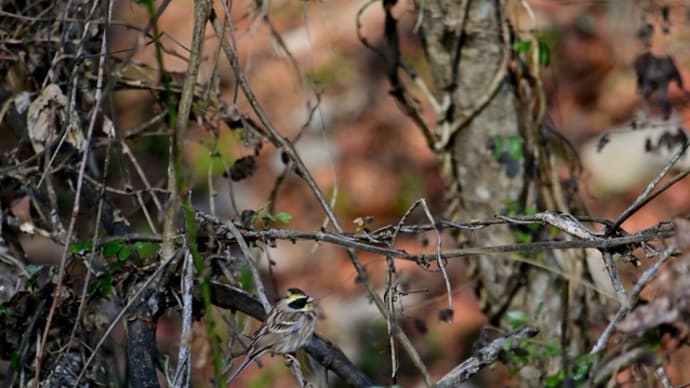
{"type": "Point", "coordinates": [21, 208]}
{"type": "Point", "coordinates": [243, 168]}
{"type": "Point", "coordinates": [47, 116]}
{"type": "Point", "coordinates": [654, 74]}
{"type": "Point", "coordinates": [108, 127]}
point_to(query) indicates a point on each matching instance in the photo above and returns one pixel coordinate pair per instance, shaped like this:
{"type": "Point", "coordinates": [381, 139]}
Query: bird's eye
{"type": "Point", "coordinates": [298, 304]}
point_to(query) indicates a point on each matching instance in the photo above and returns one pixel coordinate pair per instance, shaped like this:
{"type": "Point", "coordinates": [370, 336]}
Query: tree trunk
{"type": "Point", "coordinates": [491, 164]}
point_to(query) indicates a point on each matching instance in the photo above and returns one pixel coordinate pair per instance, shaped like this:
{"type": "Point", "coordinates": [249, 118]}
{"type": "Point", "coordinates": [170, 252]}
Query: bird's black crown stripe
{"type": "Point", "coordinates": [296, 291]}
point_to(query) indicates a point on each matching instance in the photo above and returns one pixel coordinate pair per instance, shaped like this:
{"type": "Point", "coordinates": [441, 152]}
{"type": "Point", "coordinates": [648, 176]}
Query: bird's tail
{"type": "Point", "coordinates": [245, 363]}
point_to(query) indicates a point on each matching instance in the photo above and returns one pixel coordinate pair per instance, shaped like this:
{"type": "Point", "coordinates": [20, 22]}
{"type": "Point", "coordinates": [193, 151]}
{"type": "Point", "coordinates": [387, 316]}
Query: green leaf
{"type": "Point", "coordinates": [103, 285]}
{"type": "Point", "coordinates": [515, 147]}
{"type": "Point", "coordinates": [512, 208]}
{"type": "Point", "coordinates": [533, 352]}
{"type": "Point", "coordinates": [499, 148]}
{"type": "Point", "coordinates": [263, 208]}
{"type": "Point", "coordinates": [14, 360]}
{"type": "Point", "coordinates": [522, 46]}
{"type": "Point", "coordinates": [517, 318]}
{"type": "Point", "coordinates": [114, 267]}
{"type": "Point", "coordinates": [80, 247]}
{"type": "Point", "coordinates": [34, 269]}
{"type": "Point", "coordinates": [33, 280]}
{"type": "Point", "coordinates": [146, 250]}
{"type": "Point", "coordinates": [124, 253]}
{"type": "Point", "coordinates": [107, 285]}
{"type": "Point", "coordinates": [246, 280]}
{"type": "Point", "coordinates": [552, 349]}
{"type": "Point", "coordinates": [522, 237]}
{"type": "Point", "coordinates": [111, 248]}
{"type": "Point", "coordinates": [3, 309]}
{"type": "Point", "coordinates": [283, 217]}
{"type": "Point", "coordinates": [553, 232]}
{"type": "Point", "coordinates": [555, 380]}
{"type": "Point", "coordinates": [508, 344]}
{"type": "Point", "coordinates": [533, 227]}
{"type": "Point", "coordinates": [652, 340]}
{"type": "Point", "coordinates": [583, 365]}
{"type": "Point", "coordinates": [267, 220]}
{"type": "Point", "coordinates": [544, 54]}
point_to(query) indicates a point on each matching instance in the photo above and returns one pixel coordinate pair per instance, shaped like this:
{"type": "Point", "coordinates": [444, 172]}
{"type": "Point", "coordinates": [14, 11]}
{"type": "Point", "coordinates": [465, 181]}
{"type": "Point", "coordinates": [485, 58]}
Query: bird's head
{"type": "Point", "coordinates": [298, 300]}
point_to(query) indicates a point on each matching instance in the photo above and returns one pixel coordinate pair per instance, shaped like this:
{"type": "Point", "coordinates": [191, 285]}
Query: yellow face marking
{"type": "Point", "coordinates": [298, 300]}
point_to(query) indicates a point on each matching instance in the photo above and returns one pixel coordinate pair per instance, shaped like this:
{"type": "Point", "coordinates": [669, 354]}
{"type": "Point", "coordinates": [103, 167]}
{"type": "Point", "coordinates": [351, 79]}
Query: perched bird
{"type": "Point", "coordinates": [288, 327]}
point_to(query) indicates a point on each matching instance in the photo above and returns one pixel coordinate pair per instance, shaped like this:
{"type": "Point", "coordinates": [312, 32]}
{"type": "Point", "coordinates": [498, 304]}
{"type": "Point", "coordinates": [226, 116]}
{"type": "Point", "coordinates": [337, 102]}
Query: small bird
{"type": "Point", "coordinates": [288, 327]}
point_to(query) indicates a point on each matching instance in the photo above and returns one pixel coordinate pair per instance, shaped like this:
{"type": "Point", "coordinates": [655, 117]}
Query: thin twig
{"type": "Point", "coordinates": [623, 311]}
{"type": "Point", "coordinates": [119, 316]}
{"type": "Point", "coordinates": [144, 32]}
{"type": "Point", "coordinates": [615, 277]}
{"type": "Point", "coordinates": [183, 374]}
{"type": "Point", "coordinates": [645, 195]}
{"type": "Point", "coordinates": [663, 377]}
{"type": "Point", "coordinates": [77, 197]}
{"type": "Point", "coordinates": [439, 260]}
{"type": "Point", "coordinates": [244, 248]}
{"type": "Point", "coordinates": [142, 175]}
{"type": "Point", "coordinates": [357, 242]}
{"type": "Point", "coordinates": [615, 365]}
{"type": "Point", "coordinates": [209, 181]}
{"type": "Point", "coordinates": [390, 296]}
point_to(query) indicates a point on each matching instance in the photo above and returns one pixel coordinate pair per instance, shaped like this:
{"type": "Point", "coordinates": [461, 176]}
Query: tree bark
{"type": "Point", "coordinates": [468, 46]}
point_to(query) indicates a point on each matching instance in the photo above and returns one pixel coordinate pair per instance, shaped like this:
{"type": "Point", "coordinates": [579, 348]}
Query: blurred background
{"type": "Point", "coordinates": [332, 92]}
